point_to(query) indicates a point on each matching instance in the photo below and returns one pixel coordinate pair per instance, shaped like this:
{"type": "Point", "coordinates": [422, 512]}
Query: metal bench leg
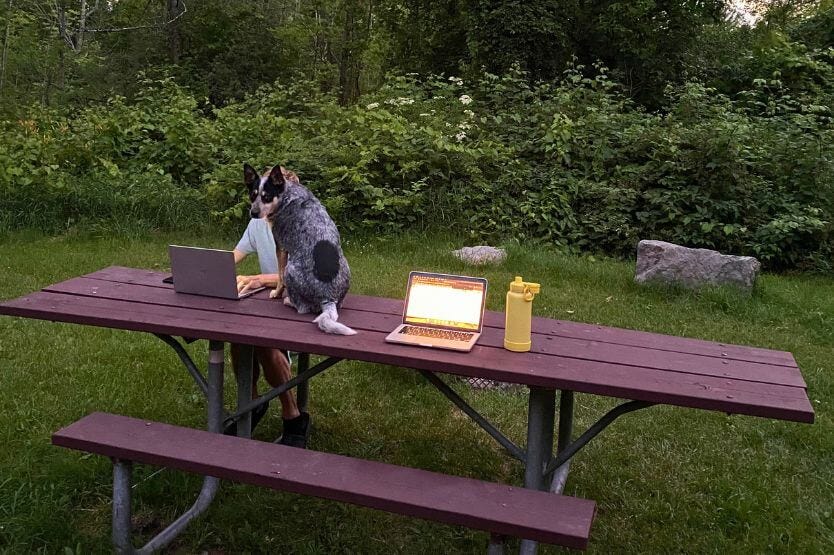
{"type": "Point", "coordinates": [122, 471]}
{"type": "Point", "coordinates": [540, 419]}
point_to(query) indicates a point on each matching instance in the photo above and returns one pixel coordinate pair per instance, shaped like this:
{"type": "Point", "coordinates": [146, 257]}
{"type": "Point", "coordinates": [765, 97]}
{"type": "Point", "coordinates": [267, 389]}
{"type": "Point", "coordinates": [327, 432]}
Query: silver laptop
{"type": "Point", "coordinates": [442, 311]}
{"type": "Point", "coordinates": [209, 272]}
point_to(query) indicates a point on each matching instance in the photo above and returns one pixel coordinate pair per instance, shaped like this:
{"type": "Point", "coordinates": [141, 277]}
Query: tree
{"type": "Point", "coordinates": [357, 17]}
{"type": "Point", "coordinates": [426, 36]}
{"type": "Point", "coordinates": [175, 8]}
{"type": "Point", "coordinates": [643, 41]}
{"type": "Point", "coordinates": [5, 47]}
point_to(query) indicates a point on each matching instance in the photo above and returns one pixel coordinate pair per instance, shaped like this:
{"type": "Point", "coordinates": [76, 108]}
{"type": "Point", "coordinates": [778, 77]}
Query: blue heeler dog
{"type": "Point", "coordinates": [312, 267]}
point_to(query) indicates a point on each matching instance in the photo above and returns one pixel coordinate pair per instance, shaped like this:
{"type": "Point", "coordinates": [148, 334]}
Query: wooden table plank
{"type": "Point", "coordinates": [547, 326]}
{"type": "Point", "coordinates": [562, 347]}
{"type": "Point", "coordinates": [535, 369]}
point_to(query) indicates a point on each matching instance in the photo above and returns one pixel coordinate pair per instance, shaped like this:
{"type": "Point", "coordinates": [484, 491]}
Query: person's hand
{"type": "Point", "coordinates": [247, 283]}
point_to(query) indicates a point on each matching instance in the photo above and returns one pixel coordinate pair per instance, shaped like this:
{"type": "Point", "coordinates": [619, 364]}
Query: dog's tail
{"type": "Point", "coordinates": [327, 321]}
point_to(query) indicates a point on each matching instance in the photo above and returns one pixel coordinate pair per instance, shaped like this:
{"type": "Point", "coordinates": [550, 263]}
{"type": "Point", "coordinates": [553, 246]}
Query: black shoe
{"type": "Point", "coordinates": [257, 414]}
{"type": "Point", "coordinates": [296, 431]}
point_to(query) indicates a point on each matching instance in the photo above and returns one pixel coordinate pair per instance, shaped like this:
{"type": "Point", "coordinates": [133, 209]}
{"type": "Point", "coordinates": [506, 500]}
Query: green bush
{"type": "Point", "coordinates": [572, 163]}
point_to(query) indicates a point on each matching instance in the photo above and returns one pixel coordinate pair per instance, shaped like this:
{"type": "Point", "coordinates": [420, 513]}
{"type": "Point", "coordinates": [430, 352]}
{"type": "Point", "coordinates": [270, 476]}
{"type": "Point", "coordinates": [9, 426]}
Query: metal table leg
{"type": "Point", "coordinates": [243, 374]}
{"type": "Point", "coordinates": [122, 474]}
{"type": "Point", "coordinates": [560, 477]}
{"type": "Point", "coordinates": [540, 419]}
{"type": "Point", "coordinates": [496, 545]}
{"type": "Point", "coordinates": [303, 389]}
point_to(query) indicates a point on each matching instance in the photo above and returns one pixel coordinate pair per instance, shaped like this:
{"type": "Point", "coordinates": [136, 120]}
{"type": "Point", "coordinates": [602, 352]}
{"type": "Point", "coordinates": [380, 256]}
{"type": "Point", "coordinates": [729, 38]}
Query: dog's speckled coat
{"type": "Point", "coordinates": [317, 271]}
{"type": "Point", "coordinates": [317, 275]}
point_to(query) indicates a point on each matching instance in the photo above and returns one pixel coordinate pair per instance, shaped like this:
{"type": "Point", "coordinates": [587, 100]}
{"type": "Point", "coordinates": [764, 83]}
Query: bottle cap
{"type": "Point", "coordinates": [529, 289]}
{"type": "Point", "coordinates": [517, 286]}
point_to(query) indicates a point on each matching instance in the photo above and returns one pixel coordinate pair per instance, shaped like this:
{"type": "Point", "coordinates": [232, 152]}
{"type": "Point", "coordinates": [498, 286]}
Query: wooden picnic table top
{"type": "Point", "coordinates": [565, 355]}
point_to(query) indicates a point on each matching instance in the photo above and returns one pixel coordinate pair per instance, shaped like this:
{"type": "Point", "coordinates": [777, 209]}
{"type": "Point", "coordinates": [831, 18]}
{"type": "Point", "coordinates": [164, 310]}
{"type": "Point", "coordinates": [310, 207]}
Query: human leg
{"type": "Point", "coordinates": [277, 371]}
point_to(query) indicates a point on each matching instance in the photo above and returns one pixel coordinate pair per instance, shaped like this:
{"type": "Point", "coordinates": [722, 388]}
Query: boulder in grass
{"type": "Point", "coordinates": [668, 263]}
{"type": "Point", "coordinates": [481, 255]}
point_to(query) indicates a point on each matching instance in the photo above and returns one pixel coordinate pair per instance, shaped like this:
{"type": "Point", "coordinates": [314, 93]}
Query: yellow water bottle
{"type": "Point", "coordinates": [519, 314]}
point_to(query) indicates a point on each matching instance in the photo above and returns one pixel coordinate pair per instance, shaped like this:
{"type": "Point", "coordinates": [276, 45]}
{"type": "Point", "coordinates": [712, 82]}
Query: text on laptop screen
{"type": "Point", "coordinates": [445, 301]}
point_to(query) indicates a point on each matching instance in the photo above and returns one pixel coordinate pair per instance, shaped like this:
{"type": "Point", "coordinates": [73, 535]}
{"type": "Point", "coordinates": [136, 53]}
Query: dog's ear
{"type": "Point", "coordinates": [250, 177]}
{"type": "Point", "coordinates": [277, 177]}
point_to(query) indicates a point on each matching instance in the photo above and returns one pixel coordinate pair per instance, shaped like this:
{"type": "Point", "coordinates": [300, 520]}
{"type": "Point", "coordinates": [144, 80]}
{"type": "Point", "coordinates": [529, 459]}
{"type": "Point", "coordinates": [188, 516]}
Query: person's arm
{"type": "Point", "coordinates": [258, 238]}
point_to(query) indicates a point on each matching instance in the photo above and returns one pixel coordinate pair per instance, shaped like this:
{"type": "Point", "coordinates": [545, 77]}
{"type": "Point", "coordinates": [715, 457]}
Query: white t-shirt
{"type": "Point", "coordinates": [258, 238]}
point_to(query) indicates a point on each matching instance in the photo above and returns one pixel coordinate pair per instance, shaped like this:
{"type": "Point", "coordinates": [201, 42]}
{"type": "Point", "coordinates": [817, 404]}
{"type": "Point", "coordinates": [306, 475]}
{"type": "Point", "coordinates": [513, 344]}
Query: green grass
{"type": "Point", "coordinates": [665, 479]}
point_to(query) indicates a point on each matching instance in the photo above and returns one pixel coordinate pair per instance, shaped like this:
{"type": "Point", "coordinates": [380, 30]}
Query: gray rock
{"type": "Point", "coordinates": [662, 262]}
{"type": "Point", "coordinates": [481, 255]}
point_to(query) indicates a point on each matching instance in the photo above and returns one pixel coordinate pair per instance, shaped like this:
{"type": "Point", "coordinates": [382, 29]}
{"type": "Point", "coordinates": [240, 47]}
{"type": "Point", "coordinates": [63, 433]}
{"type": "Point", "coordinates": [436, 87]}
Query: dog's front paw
{"type": "Point", "coordinates": [288, 302]}
{"type": "Point", "coordinates": [279, 291]}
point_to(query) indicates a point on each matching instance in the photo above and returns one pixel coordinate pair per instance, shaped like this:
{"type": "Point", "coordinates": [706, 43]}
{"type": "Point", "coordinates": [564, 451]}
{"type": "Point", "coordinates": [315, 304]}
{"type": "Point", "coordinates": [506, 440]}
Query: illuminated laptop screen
{"type": "Point", "coordinates": [447, 301]}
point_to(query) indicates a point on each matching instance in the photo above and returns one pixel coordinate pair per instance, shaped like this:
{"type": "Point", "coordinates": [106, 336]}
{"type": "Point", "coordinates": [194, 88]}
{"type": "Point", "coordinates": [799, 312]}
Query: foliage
{"type": "Point", "coordinates": [571, 162]}
{"type": "Point", "coordinates": [642, 41]}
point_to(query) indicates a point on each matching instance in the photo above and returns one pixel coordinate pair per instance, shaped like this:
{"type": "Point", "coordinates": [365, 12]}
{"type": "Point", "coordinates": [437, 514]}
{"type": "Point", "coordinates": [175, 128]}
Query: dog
{"type": "Point", "coordinates": [313, 271]}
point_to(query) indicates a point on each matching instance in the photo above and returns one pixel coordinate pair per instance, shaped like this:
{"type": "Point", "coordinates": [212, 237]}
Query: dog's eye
{"type": "Point", "coordinates": [253, 195]}
{"type": "Point", "coordinates": [266, 197]}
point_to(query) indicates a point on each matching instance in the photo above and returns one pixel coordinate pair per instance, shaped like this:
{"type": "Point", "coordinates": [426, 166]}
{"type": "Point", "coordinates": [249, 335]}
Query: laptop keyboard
{"type": "Point", "coordinates": [435, 333]}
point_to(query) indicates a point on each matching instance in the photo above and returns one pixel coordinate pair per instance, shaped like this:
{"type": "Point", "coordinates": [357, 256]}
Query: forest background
{"type": "Point", "coordinates": [585, 125]}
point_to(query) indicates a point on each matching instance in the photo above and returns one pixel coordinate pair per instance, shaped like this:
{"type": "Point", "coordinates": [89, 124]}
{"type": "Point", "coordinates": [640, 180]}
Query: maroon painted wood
{"type": "Point", "coordinates": [612, 362]}
{"type": "Point", "coordinates": [727, 395]}
{"type": "Point", "coordinates": [497, 508]}
{"type": "Point", "coordinates": [560, 328]}
{"type": "Point", "coordinates": [565, 347]}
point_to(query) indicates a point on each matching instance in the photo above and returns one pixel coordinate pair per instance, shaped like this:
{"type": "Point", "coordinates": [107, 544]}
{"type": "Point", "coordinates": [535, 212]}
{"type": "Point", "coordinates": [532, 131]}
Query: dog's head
{"type": "Point", "coordinates": [264, 191]}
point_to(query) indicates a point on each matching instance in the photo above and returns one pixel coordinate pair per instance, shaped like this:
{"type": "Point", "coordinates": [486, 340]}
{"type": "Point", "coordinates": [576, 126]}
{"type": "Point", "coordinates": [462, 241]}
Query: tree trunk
{"type": "Point", "coordinates": [348, 63]}
{"type": "Point", "coordinates": [174, 36]}
{"type": "Point", "coordinates": [82, 26]}
{"type": "Point", "coordinates": [47, 88]}
{"type": "Point", "coordinates": [5, 48]}
{"type": "Point", "coordinates": [62, 68]}
{"type": "Point", "coordinates": [344, 58]}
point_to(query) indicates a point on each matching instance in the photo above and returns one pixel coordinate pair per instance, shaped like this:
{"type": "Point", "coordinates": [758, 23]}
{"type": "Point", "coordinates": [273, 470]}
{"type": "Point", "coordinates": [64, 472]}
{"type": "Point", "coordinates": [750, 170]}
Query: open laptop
{"type": "Point", "coordinates": [209, 272]}
{"type": "Point", "coordinates": [442, 311]}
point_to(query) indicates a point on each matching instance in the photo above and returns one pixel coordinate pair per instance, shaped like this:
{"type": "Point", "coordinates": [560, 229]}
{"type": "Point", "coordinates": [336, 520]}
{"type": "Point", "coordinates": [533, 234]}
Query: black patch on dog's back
{"type": "Point", "coordinates": [325, 261]}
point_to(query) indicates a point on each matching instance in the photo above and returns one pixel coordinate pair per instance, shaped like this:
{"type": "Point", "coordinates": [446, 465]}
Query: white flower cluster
{"type": "Point", "coordinates": [463, 125]}
{"type": "Point", "coordinates": [460, 136]}
{"type": "Point", "coordinates": [401, 101]}
{"type": "Point", "coordinates": [469, 113]}
{"type": "Point", "coordinates": [372, 105]}
{"type": "Point", "coordinates": [465, 99]}
{"type": "Point", "coordinates": [456, 80]}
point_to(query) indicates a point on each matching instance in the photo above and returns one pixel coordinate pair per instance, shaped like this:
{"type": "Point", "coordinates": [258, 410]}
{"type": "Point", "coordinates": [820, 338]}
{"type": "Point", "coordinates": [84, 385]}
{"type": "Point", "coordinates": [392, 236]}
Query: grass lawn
{"type": "Point", "coordinates": [665, 479]}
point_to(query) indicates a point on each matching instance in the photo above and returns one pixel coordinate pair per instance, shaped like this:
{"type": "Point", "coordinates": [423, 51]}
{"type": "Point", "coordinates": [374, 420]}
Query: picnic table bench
{"type": "Point", "coordinates": [643, 368]}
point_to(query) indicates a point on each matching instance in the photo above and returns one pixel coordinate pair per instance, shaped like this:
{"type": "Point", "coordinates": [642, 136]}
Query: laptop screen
{"type": "Point", "coordinates": [444, 300]}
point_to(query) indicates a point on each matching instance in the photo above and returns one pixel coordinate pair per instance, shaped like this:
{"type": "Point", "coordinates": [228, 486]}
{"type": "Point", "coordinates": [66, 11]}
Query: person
{"type": "Point", "coordinates": [275, 363]}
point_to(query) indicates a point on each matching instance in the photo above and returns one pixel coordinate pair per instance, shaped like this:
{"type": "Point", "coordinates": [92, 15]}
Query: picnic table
{"type": "Point", "coordinates": [644, 369]}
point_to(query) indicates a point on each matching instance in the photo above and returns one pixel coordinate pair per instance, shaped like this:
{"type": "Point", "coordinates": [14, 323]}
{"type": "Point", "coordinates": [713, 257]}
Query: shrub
{"type": "Point", "coordinates": [572, 162]}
